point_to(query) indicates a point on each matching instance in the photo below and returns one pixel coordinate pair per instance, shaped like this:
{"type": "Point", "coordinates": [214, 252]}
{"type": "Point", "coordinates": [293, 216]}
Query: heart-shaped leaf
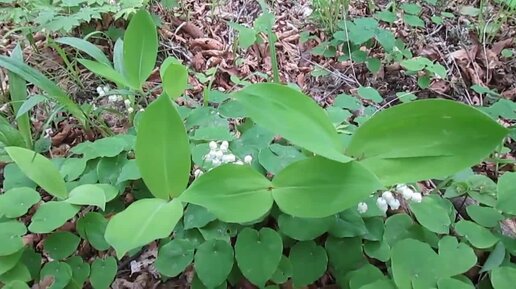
{"type": "Point", "coordinates": [506, 193]}
{"type": "Point", "coordinates": [92, 228]}
{"type": "Point", "coordinates": [309, 262]}
{"type": "Point", "coordinates": [174, 257]}
{"type": "Point", "coordinates": [213, 262]}
{"type": "Point", "coordinates": [17, 201]}
{"type": "Point", "coordinates": [450, 283]}
{"type": "Point", "coordinates": [455, 258]}
{"type": "Point", "coordinates": [52, 215]}
{"type": "Point", "coordinates": [60, 245]}
{"type": "Point", "coordinates": [304, 229]}
{"type": "Point", "coordinates": [60, 272]}
{"type": "Point", "coordinates": [80, 272]}
{"type": "Point", "coordinates": [163, 150]}
{"type": "Point", "coordinates": [433, 213]}
{"type": "Point", "coordinates": [103, 272]}
{"type": "Point", "coordinates": [258, 254]}
{"type": "Point", "coordinates": [343, 261]}
{"type": "Point", "coordinates": [150, 219]}
{"type": "Point", "coordinates": [424, 139]}
{"type": "Point", "coordinates": [88, 195]}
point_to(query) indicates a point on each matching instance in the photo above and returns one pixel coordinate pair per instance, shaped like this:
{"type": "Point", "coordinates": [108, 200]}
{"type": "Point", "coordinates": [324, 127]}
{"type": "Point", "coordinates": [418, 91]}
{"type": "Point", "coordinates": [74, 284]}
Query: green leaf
{"type": "Point", "coordinates": [258, 254]}
{"type": "Point", "coordinates": [379, 250]}
{"type": "Point", "coordinates": [242, 188]}
{"type": "Point", "coordinates": [103, 272]}
{"type": "Point", "coordinates": [92, 228]}
{"type": "Point", "coordinates": [345, 260]}
{"type": "Point", "coordinates": [294, 116]}
{"type": "Point", "coordinates": [37, 78]}
{"type": "Point", "coordinates": [484, 216]}
{"type": "Point", "coordinates": [174, 257]}
{"type": "Point", "coordinates": [197, 217]}
{"type": "Point", "coordinates": [16, 284]}
{"type": "Point", "coordinates": [29, 103]}
{"type": "Point", "coordinates": [411, 8]}
{"type": "Point", "coordinates": [478, 236]}
{"type": "Point", "coordinates": [451, 283]}
{"type": "Point", "coordinates": [52, 215]}
{"type": "Point", "coordinates": [163, 150]}
{"type": "Point", "coordinates": [348, 223]}
{"type": "Point", "coordinates": [283, 272]}
{"type": "Point", "coordinates": [40, 170]}
{"type": "Point", "coordinates": [18, 273]}
{"type": "Point", "coordinates": [503, 277]}
{"type": "Point", "coordinates": [140, 48]}
{"type": "Point", "coordinates": [495, 259]}
{"type": "Point", "coordinates": [455, 258]}
{"type": "Point", "coordinates": [87, 194]}
{"type": "Point", "coordinates": [17, 201]}
{"type": "Point", "coordinates": [86, 47]}
{"type": "Point", "coordinates": [9, 261]}
{"type": "Point", "coordinates": [175, 80]}
{"type": "Point", "coordinates": [60, 272]}
{"type": "Point", "coordinates": [60, 245]}
{"type": "Point", "coordinates": [213, 262]}
{"type": "Point", "coordinates": [370, 94]}
{"type": "Point", "coordinates": [10, 136]}
{"type": "Point", "coordinates": [413, 20]}
{"type": "Point", "coordinates": [107, 72]}
{"type": "Point", "coordinates": [303, 229]}
{"type": "Point", "coordinates": [424, 139]}
{"type": "Point", "coordinates": [309, 263]}
{"type": "Point", "coordinates": [18, 93]}
{"type": "Point", "coordinates": [433, 213]}
{"type": "Point", "coordinates": [246, 35]}
{"type": "Point", "coordinates": [507, 193]}
{"type": "Point", "coordinates": [80, 272]}
{"type": "Point", "coordinates": [150, 219]}
{"type": "Point", "coordinates": [318, 187]}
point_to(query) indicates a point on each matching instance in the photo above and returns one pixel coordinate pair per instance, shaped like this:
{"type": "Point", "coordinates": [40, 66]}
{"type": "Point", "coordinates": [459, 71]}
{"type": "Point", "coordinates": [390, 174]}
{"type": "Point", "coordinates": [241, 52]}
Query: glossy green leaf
{"type": "Point", "coordinates": [484, 216]}
{"type": "Point", "coordinates": [37, 78]}
{"type": "Point", "coordinates": [243, 196]}
{"type": "Point", "coordinates": [258, 254]}
{"type": "Point", "coordinates": [175, 80]}
{"type": "Point", "coordinates": [379, 250]}
{"type": "Point", "coordinates": [304, 229]}
{"type": "Point", "coordinates": [39, 169]}
{"type": "Point", "coordinates": [17, 273]}
{"type": "Point", "coordinates": [86, 47]}
{"type": "Point", "coordinates": [88, 195]}
{"type": "Point", "coordinates": [59, 272]}
{"type": "Point", "coordinates": [318, 187]}
{"type": "Point", "coordinates": [433, 213]}
{"type": "Point", "coordinates": [197, 217]}
{"type": "Point", "coordinates": [348, 223]}
{"type": "Point", "coordinates": [60, 245]}
{"type": "Point", "coordinates": [106, 71]}
{"type": "Point", "coordinates": [478, 236]}
{"type": "Point", "coordinates": [17, 201]}
{"type": "Point", "coordinates": [424, 139]}
{"type": "Point", "coordinates": [149, 219]}
{"type": "Point", "coordinates": [213, 262]}
{"type": "Point", "coordinates": [103, 272]}
{"type": "Point", "coordinates": [163, 150]}
{"type": "Point", "coordinates": [174, 257]}
{"type": "Point", "coordinates": [294, 116]}
{"type": "Point", "coordinates": [507, 193]}
{"type": "Point", "coordinates": [309, 262]}
{"type": "Point", "coordinates": [10, 136]}
{"type": "Point", "coordinates": [92, 228]}
{"type": "Point", "coordinates": [495, 259]}
{"type": "Point", "coordinates": [503, 277]}
{"type": "Point", "coordinates": [52, 215]}
{"type": "Point", "coordinates": [140, 48]}
{"type": "Point", "coordinates": [32, 261]}
{"type": "Point", "coordinates": [18, 93]}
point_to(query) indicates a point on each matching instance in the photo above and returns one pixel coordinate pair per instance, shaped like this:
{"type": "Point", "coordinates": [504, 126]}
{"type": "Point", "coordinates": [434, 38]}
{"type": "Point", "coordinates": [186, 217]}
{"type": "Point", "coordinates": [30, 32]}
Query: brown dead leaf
{"type": "Point", "coordinates": [439, 86]}
{"type": "Point", "coordinates": [207, 44]}
{"type": "Point", "coordinates": [198, 61]}
{"type": "Point", "coordinates": [510, 94]}
{"type": "Point", "coordinates": [501, 45]}
{"type": "Point", "coordinates": [44, 283]}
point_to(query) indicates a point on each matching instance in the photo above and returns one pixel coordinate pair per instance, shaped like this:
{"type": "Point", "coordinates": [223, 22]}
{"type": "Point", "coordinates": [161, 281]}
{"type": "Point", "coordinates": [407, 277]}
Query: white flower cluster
{"type": "Point", "coordinates": [388, 199]}
{"type": "Point", "coordinates": [128, 106]}
{"type": "Point", "coordinates": [112, 98]}
{"type": "Point", "coordinates": [219, 155]}
{"type": "Point", "coordinates": [408, 194]}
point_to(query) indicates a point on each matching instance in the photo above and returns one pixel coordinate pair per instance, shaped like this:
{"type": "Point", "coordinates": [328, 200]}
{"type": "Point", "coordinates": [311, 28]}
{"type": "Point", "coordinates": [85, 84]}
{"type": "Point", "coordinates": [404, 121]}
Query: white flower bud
{"type": "Point", "coordinates": [130, 110]}
{"type": "Point", "coordinates": [224, 146]}
{"type": "Point", "coordinates": [228, 158]}
{"type": "Point", "coordinates": [100, 90]}
{"type": "Point", "coordinates": [382, 204]}
{"type": "Point", "coordinates": [102, 93]}
{"type": "Point", "coordinates": [362, 207]}
{"type": "Point", "coordinates": [219, 154]}
{"type": "Point", "coordinates": [142, 109]}
{"type": "Point", "coordinates": [387, 195]}
{"type": "Point", "coordinates": [119, 98]}
{"type": "Point", "coordinates": [394, 204]}
{"type": "Point", "coordinates": [213, 145]}
{"type": "Point", "coordinates": [216, 162]}
{"type": "Point", "coordinates": [198, 173]}
{"type": "Point", "coordinates": [407, 194]}
{"type": "Point", "coordinates": [106, 88]}
{"type": "Point", "coordinates": [248, 159]}
{"type": "Point", "coordinates": [239, 163]}
{"type": "Point", "coordinates": [127, 102]}
{"type": "Point", "coordinates": [417, 197]}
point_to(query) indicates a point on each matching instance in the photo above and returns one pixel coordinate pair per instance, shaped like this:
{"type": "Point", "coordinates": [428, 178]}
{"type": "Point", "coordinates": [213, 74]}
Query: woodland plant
{"type": "Point", "coordinates": [317, 213]}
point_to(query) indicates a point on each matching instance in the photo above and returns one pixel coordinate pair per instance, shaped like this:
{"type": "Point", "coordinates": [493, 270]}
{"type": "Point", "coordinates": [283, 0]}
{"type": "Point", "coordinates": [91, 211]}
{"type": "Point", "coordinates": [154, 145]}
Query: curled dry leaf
{"type": "Point", "coordinates": [207, 44]}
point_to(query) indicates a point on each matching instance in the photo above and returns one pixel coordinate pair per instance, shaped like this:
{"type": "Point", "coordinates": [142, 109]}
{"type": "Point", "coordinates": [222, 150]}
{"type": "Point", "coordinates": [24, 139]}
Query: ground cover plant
{"type": "Point", "coordinates": [177, 171]}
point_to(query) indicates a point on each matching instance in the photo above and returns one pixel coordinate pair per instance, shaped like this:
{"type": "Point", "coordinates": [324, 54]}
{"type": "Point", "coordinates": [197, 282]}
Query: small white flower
{"type": "Point", "coordinates": [387, 195]}
{"type": "Point", "coordinates": [130, 110]}
{"type": "Point", "coordinates": [382, 204]}
{"type": "Point", "coordinates": [228, 158]}
{"type": "Point", "coordinates": [216, 162]}
{"type": "Point", "coordinates": [198, 173]}
{"type": "Point", "coordinates": [405, 191]}
{"type": "Point", "coordinates": [100, 90]}
{"type": "Point", "coordinates": [219, 154]}
{"type": "Point", "coordinates": [106, 88]}
{"type": "Point", "coordinates": [119, 98]}
{"type": "Point", "coordinates": [394, 204]}
{"type": "Point", "coordinates": [248, 159]}
{"type": "Point", "coordinates": [224, 146]}
{"type": "Point", "coordinates": [417, 197]}
{"type": "Point", "coordinates": [239, 163]}
{"type": "Point", "coordinates": [213, 145]}
{"type": "Point", "coordinates": [102, 93]}
{"type": "Point", "coordinates": [127, 102]}
{"type": "Point", "coordinates": [362, 207]}
{"type": "Point", "coordinates": [142, 110]}
{"type": "Point", "coordinates": [112, 98]}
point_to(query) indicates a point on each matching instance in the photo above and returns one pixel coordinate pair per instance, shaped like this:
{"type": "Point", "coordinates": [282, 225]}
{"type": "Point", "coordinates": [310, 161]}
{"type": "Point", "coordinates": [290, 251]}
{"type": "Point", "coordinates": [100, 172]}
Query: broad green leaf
{"type": "Point", "coordinates": [370, 94]}
{"type": "Point", "coordinates": [149, 219]}
{"type": "Point", "coordinates": [174, 257]}
{"type": "Point", "coordinates": [424, 139]}
{"type": "Point", "coordinates": [258, 254]}
{"type": "Point", "coordinates": [379, 250]}
{"type": "Point", "coordinates": [92, 228]}
{"type": "Point", "coordinates": [484, 216]}
{"type": "Point", "coordinates": [40, 170]}
{"type": "Point", "coordinates": [162, 149]}
{"type": "Point", "coordinates": [175, 80]}
{"type": "Point", "coordinates": [103, 272]}
{"type": "Point", "coordinates": [283, 272]}
{"type": "Point", "coordinates": [503, 277]}
{"type": "Point", "coordinates": [309, 262]}
{"type": "Point", "coordinates": [319, 187]}
{"type": "Point", "coordinates": [243, 196]}
{"type": "Point", "coordinates": [450, 283]}
{"type": "Point", "coordinates": [80, 272]}
{"type": "Point", "coordinates": [507, 193]}
{"type": "Point", "coordinates": [52, 215]}
{"type": "Point", "coordinates": [348, 223]}
{"type": "Point", "coordinates": [106, 71]}
{"type": "Point", "coordinates": [9, 261]}
{"type": "Point", "coordinates": [304, 229]}
{"type": "Point", "coordinates": [495, 259]}
{"type": "Point", "coordinates": [17, 273]}
{"type": "Point", "coordinates": [213, 262]}
{"type": "Point", "coordinates": [455, 258]}
{"type": "Point", "coordinates": [375, 228]}
{"type": "Point", "coordinates": [60, 245]}
{"type": "Point", "coordinates": [363, 276]}
{"type": "Point", "coordinates": [16, 202]}
{"type": "Point", "coordinates": [16, 284]}
{"type": "Point", "coordinates": [18, 93]}
{"type": "Point", "coordinates": [86, 47]}
{"type": "Point", "coordinates": [91, 195]}
{"type": "Point", "coordinates": [32, 261]}
{"type": "Point", "coordinates": [118, 56]}
{"type": "Point", "coordinates": [59, 272]}
{"type": "Point", "coordinates": [433, 213]}
{"type": "Point", "coordinates": [10, 136]}
{"type": "Point", "coordinates": [478, 236]}
{"type": "Point", "coordinates": [197, 217]}
{"type": "Point", "coordinates": [294, 116]}
{"type": "Point", "coordinates": [140, 48]}
{"type": "Point", "coordinates": [380, 284]}
{"type": "Point", "coordinates": [246, 35]}
{"type": "Point", "coordinates": [29, 103]}
{"type": "Point", "coordinates": [37, 78]}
